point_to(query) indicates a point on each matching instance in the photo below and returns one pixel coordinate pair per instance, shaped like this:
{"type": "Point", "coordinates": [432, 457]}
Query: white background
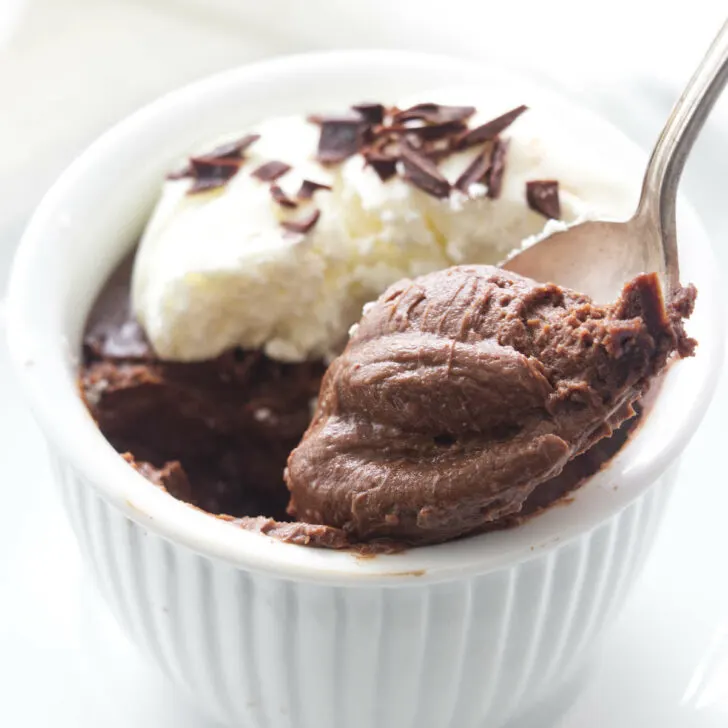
{"type": "Point", "coordinates": [70, 68]}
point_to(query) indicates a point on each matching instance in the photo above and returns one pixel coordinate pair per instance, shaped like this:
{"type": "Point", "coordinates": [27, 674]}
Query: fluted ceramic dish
{"type": "Point", "coordinates": [265, 634]}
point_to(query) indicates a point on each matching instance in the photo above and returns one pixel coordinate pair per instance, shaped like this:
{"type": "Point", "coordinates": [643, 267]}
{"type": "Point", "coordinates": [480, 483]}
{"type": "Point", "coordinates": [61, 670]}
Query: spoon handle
{"type": "Point", "coordinates": [659, 190]}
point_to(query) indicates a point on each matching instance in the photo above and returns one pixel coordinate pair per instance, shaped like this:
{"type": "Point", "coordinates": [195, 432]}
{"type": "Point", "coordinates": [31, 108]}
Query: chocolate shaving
{"type": "Point", "coordinates": [383, 164]}
{"type": "Point", "coordinates": [494, 178]}
{"type": "Point", "coordinates": [434, 114]}
{"type": "Point", "coordinates": [308, 187]}
{"type": "Point", "coordinates": [419, 137]}
{"type": "Point", "coordinates": [214, 167]}
{"type": "Point", "coordinates": [209, 173]}
{"type": "Point", "coordinates": [341, 137]}
{"type": "Point", "coordinates": [304, 224]}
{"type": "Point", "coordinates": [436, 153]}
{"type": "Point", "coordinates": [489, 130]}
{"type": "Point", "coordinates": [414, 141]}
{"type": "Point", "coordinates": [439, 131]}
{"type": "Point", "coordinates": [474, 173]}
{"type": "Point", "coordinates": [225, 154]}
{"type": "Point", "coordinates": [281, 197]}
{"type": "Point", "coordinates": [427, 132]}
{"type": "Point", "coordinates": [233, 149]}
{"type": "Point", "coordinates": [372, 113]}
{"type": "Point", "coordinates": [423, 173]}
{"type": "Point", "coordinates": [385, 145]}
{"type": "Point", "coordinates": [543, 197]}
{"type": "Point", "coordinates": [208, 169]}
{"type": "Point", "coordinates": [270, 171]}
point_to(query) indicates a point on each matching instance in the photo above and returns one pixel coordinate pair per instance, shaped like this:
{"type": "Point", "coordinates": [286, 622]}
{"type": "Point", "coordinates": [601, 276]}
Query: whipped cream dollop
{"type": "Point", "coordinates": [239, 266]}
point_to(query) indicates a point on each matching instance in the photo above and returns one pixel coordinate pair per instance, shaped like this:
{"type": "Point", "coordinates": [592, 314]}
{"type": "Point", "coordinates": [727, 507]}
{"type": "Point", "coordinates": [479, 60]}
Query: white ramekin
{"type": "Point", "coordinates": [267, 634]}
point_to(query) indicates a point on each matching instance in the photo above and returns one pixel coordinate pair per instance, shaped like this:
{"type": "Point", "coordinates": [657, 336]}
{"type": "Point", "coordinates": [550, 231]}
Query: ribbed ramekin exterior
{"type": "Point", "coordinates": [266, 652]}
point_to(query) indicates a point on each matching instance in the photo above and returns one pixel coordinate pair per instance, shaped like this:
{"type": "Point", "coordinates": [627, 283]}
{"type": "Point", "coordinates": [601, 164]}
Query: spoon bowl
{"type": "Point", "coordinates": [598, 258]}
{"type": "Point", "coordinates": [595, 257]}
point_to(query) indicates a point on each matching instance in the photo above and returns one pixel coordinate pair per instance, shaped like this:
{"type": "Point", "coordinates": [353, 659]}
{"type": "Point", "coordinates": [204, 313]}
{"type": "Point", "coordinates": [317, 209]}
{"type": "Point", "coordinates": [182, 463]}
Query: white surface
{"type": "Point", "coordinates": [63, 663]}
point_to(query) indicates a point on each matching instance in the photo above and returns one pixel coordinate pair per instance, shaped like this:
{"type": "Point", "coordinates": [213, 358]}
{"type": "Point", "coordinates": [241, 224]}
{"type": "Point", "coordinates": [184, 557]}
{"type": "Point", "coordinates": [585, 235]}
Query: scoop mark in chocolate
{"type": "Point", "coordinates": [494, 177]}
{"type": "Point", "coordinates": [271, 171]}
{"type": "Point", "coordinates": [281, 197]}
{"type": "Point", "coordinates": [302, 225]}
{"type": "Point", "coordinates": [309, 187]}
{"type": "Point", "coordinates": [423, 173]}
{"type": "Point", "coordinates": [489, 130]}
{"type": "Point", "coordinates": [543, 197]}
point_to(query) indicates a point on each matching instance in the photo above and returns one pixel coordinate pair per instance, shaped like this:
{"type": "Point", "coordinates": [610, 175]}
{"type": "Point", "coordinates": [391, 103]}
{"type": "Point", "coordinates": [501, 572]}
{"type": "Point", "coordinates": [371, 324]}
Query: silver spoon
{"type": "Point", "coordinates": [598, 258]}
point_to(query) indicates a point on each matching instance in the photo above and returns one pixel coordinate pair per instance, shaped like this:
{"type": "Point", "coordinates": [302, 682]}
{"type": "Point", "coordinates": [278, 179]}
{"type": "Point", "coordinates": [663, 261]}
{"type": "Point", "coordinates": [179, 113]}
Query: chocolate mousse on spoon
{"type": "Point", "coordinates": [460, 392]}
